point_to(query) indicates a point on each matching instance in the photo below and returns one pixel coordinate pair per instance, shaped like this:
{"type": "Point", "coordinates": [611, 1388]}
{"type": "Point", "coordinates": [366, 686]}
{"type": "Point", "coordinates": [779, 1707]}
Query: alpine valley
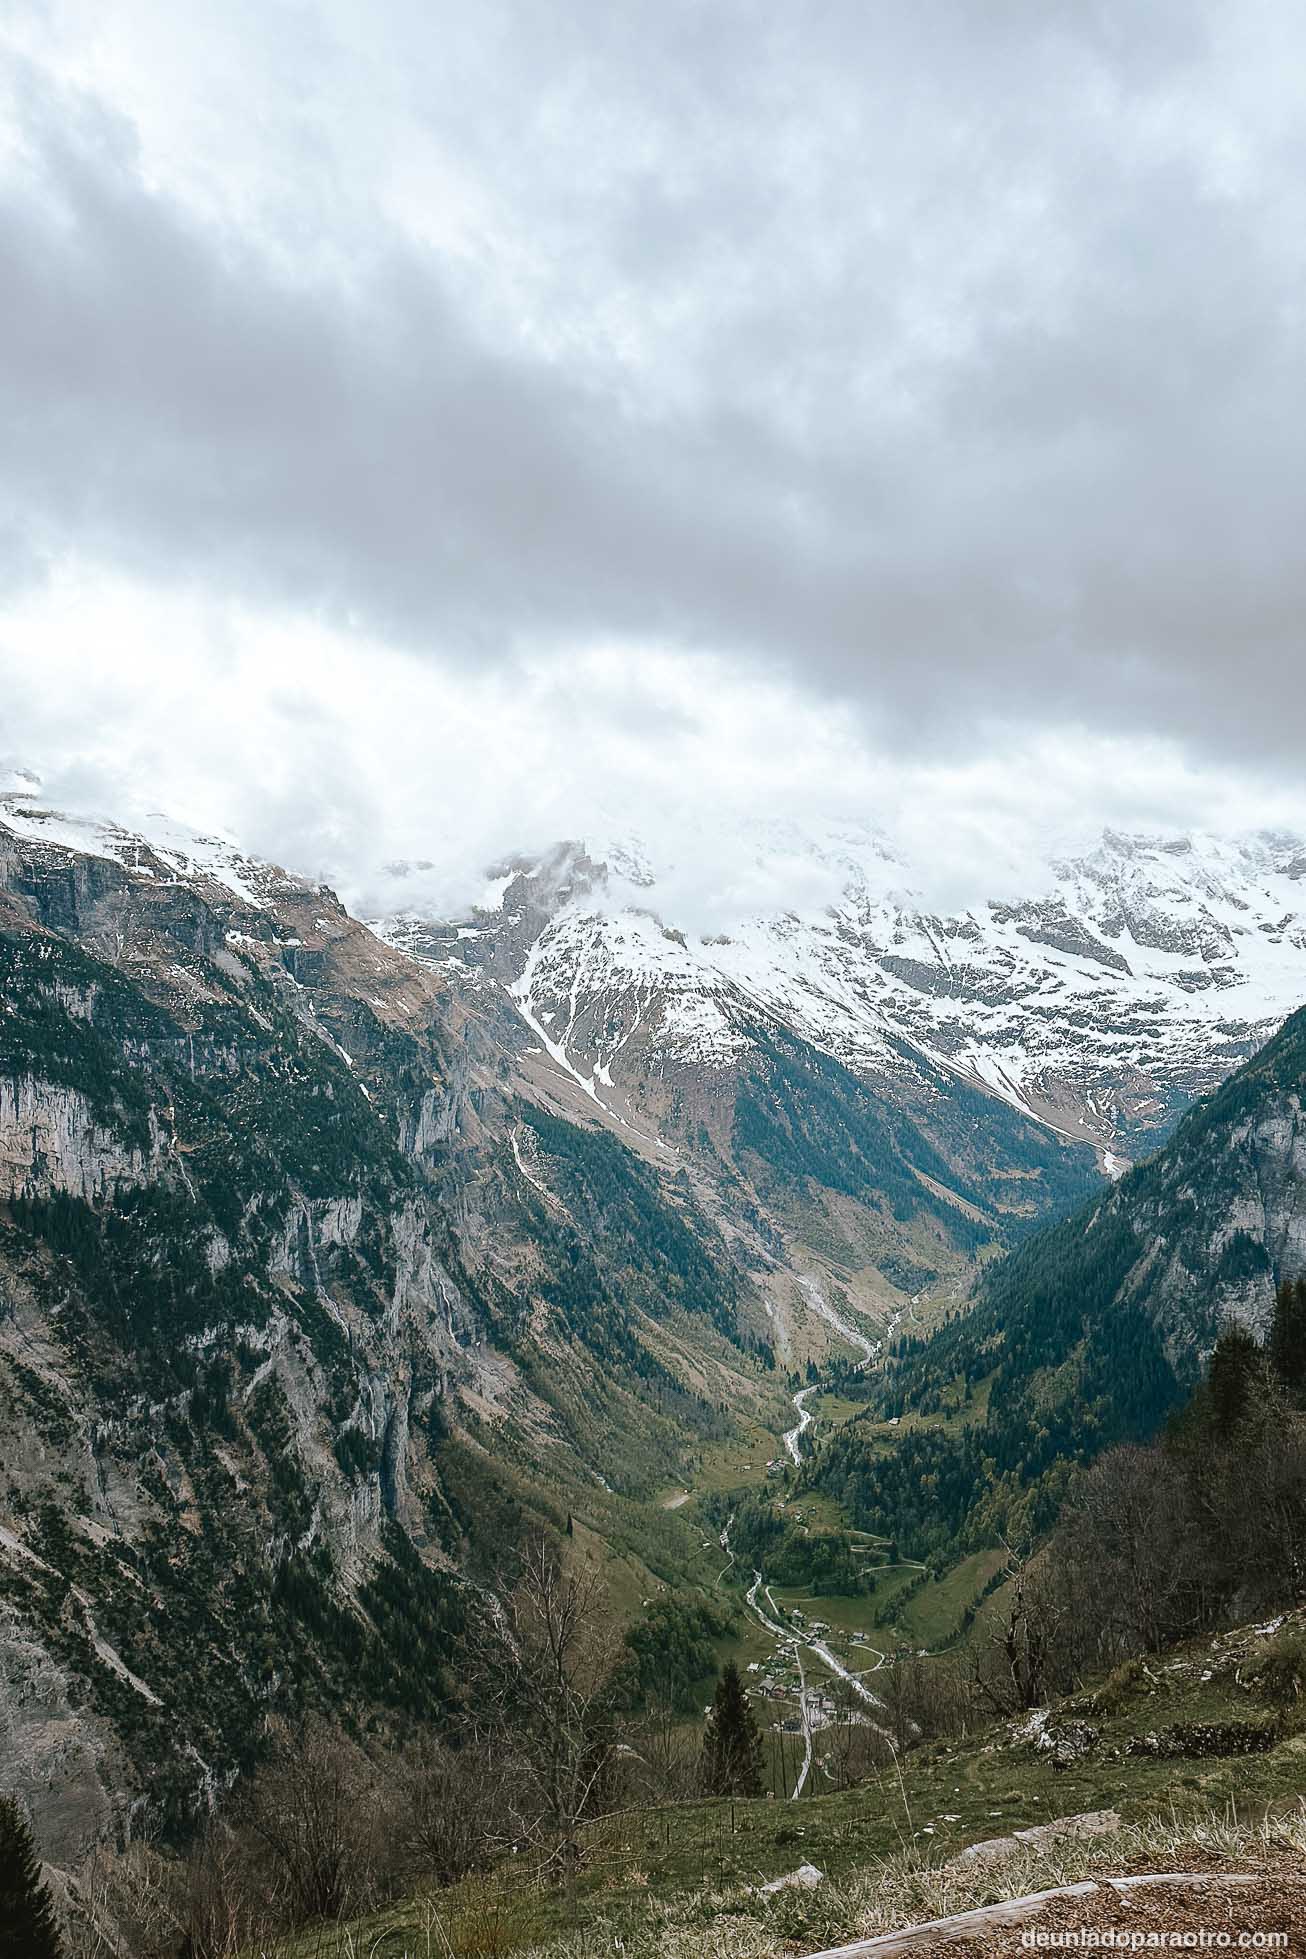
{"type": "Point", "coordinates": [336, 1255]}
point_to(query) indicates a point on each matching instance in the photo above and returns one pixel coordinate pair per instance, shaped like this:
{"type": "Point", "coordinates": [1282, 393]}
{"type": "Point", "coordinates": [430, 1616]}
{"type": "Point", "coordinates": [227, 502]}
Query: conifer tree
{"type": "Point", "coordinates": [1287, 1341]}
{"type": "Point", "coordinates": [1234, 1366]}
{"type": "Point", "coordinates": [732, 1746]}
{"type": "Point", "coordinates": [27, 1921]}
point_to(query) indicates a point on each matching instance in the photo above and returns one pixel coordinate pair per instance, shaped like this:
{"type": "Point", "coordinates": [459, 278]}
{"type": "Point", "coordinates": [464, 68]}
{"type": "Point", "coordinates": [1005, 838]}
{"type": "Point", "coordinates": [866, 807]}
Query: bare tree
{"type": "Point", "coordinates": [1013, 1666]}
{"type": "Point", "coordinates": [314, 1811]}
{"type": "Point", "coordinates": [1124, 1562]}
{"type": "Point", "coordinates": [549, 1680]}
{"type": "Point", "coordinates": [662, 1753]}
{"type": "Point", "coordinates": [137, 1903]}
{"type": "Point", "coordinates": [1249, 1500]}
{"type": "Point", "coordinates": [452, 1807]}
{"type": "Point", "coordinates": [855, 1744]}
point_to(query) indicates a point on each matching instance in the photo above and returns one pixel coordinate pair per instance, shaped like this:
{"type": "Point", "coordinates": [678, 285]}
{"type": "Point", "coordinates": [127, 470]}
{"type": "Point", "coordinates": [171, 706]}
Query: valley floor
{"type": "Point", "coordinates": [1198, 1770]}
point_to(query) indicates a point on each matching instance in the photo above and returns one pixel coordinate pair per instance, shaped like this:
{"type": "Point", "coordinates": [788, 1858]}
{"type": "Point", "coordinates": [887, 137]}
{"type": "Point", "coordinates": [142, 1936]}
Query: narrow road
{"type": "Point", "coordinates": [817, 1646]}
{"type": "Point", "coordinates": [806, 1713]}
{"type": "Point", "coordinates": [724, 1541]}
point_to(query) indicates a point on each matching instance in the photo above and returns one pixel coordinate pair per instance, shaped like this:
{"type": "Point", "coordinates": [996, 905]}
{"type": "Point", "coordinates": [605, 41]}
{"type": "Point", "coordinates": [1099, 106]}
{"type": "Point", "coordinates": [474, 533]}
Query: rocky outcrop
{"type": "Point", "coordinates": [55, 1756]}
{"type": "Point", "coordinates": [280, 1361]}
{"type": "Point", "coordinates": [1220, 1219]}
{"type": "Point", "coordinates": [51, 1141]}
{"type": "Point", "coordinates": [1061, 1830]}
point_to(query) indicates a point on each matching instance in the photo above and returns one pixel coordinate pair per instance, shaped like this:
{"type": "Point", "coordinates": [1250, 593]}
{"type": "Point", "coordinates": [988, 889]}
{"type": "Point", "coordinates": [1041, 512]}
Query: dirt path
{"type": "Point", "coordinates": [1152, 1910]}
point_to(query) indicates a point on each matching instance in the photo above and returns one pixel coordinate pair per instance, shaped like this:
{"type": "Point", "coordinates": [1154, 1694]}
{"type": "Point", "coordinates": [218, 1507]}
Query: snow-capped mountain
{"type": "Point", "coordinates": [1133, 978]}
{"type": "Point", "coordinates": [823, 1039]}
{"type": "Point", "coordinates": [156, 846]}
{"type": "Point", "coordinates": [719, 1059]}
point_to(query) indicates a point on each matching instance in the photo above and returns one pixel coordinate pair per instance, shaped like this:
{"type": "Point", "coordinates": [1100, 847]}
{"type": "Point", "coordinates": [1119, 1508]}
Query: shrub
{"type": "Point", "coordinates": [1121, 1685]}
{"type": "Point", "coordinates": [1280, 1673]}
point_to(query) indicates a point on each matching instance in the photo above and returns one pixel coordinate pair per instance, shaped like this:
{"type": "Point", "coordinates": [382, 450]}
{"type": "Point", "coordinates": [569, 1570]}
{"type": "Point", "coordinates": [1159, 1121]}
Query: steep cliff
{"type": "Point", "coordinates": [285, 1360]}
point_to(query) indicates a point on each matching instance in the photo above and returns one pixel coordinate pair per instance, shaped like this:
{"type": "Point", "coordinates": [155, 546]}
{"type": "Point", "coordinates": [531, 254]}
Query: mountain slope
{"type": "Point", "coordinates": [896, 1092]}
{"type": "Point", "coordinates": [330, 1263]}
{"type": "Point", "coordinates": [893, 1178]}
{"type": "Point", "coordinates": [304, 1315]}
{"type": "Point", "coordinates": [1092, 1331]}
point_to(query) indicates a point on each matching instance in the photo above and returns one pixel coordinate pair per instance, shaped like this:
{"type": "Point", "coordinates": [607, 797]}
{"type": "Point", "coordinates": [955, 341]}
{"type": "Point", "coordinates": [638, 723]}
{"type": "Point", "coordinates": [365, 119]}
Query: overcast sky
{"type": "Point", "coordinates": [427, 428]}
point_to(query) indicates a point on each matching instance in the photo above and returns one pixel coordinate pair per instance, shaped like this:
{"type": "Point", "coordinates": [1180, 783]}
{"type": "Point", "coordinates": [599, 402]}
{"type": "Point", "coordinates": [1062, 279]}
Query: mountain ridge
{"type": "Point", "coordinates": [1094, 1331]}
{"type": "Point", "coordinates": [1143, 972]}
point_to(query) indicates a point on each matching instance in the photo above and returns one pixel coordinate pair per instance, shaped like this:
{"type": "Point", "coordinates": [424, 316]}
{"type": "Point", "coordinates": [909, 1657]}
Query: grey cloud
{"type": "Point", "coordinates": [949, 358]}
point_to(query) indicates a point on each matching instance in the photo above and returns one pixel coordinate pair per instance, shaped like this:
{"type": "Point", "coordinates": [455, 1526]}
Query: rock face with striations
{"type": "Point", "coordinates": [285, 1365]}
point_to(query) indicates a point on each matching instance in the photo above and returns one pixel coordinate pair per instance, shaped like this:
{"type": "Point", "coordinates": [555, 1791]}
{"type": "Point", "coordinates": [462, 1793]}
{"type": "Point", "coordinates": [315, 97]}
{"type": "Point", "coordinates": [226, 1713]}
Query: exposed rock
{"type": "Point", "coordinates": [53, 1754]}
{"type": "Point", "coordinates": [1068, 1742]}
{"type": "Point", "coordinates": [1205, 1738]}
{"type": "Point", "coordinates": [805, 1878]}
{"type": "Point", "coordinates": [51, 1141]}
{"type": "Point", "coordinates": [996, 1850]}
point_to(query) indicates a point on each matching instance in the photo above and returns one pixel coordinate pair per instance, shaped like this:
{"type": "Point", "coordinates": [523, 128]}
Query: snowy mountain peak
{"type": "Point", "coordinates": [154, 846]}
{"type": "Point", "coordinates": [1129, 979]}
{"type": "Point", "coordinates": [1118, 984]}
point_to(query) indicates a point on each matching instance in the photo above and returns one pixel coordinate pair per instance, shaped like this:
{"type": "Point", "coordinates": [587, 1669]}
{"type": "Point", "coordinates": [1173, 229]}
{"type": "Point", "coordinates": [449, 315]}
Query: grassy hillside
{"type": "Point", "coordinates": [1181, 1750]}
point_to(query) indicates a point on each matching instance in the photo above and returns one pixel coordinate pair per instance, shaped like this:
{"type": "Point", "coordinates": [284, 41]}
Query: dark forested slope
{"type": "Point", "coordinates": [1093, 1330]}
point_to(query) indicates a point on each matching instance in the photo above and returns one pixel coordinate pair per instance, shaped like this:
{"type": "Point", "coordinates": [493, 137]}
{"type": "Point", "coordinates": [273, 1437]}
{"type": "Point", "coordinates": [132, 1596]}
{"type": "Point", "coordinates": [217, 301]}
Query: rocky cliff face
{"type": "Point", "coordinates": [50, 1141]}
{"type": "Point", "coordinates": [283, 1365]}
{"type": "Point", "coordinates": [1219, 1217]}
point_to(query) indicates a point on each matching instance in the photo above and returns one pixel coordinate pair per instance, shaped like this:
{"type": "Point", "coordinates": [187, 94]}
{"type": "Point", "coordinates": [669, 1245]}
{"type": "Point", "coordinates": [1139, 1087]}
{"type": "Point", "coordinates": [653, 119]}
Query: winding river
{"type": "Point", "coordinates": [870, 1351]}
{"type": "Point", "coordinates": [788, 1635]}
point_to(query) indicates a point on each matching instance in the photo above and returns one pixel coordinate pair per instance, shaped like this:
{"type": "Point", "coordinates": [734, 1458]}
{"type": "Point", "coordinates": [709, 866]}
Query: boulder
{"type": "Point", "coordinates": [805, 1878]}
{"type": "Point", "coordinates": [995, 1850]}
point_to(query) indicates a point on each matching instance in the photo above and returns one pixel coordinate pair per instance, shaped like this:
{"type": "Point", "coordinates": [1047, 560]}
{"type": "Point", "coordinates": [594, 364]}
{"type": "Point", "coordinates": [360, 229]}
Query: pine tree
{"type": "Point", "coordinates": [732, 1746]}
{"type": "Point", "coordinates": [1234, 1366]}
{"type": "Point", "coordinates": [1287, 1343]}
{"type": "Point", "coordinates": [27, 1921]}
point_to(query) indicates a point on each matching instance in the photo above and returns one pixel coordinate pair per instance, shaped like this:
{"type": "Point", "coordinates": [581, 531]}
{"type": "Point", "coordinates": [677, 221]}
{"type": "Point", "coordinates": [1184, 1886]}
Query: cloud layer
{"type": "Point", "coordinates": [928, 376]}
